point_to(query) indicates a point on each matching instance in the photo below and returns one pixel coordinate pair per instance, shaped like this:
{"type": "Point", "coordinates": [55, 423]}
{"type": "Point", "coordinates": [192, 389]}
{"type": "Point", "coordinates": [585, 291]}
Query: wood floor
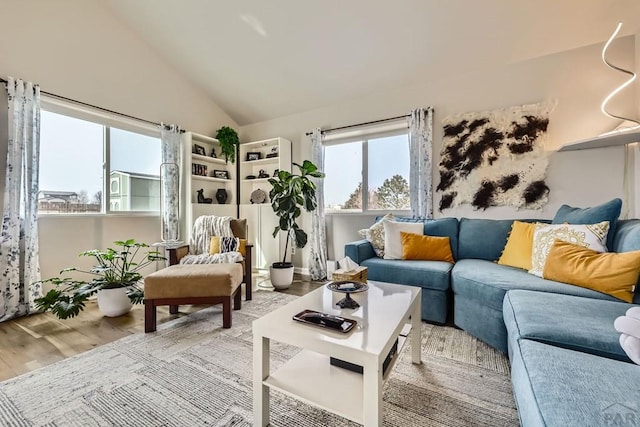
{"type": "Point", "coordinates": [31, 342]}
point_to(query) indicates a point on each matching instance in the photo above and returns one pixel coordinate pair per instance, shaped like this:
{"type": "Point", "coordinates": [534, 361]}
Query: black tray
{"type": "Point", "coordinates": [325, 321]}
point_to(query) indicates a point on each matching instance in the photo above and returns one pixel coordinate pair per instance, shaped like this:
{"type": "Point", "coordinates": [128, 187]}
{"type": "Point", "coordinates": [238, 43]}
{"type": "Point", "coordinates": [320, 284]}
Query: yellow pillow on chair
{"type": "Point", "coordinates": [611, 273]}
{"type": "Point", "coordinates": [214, 247]}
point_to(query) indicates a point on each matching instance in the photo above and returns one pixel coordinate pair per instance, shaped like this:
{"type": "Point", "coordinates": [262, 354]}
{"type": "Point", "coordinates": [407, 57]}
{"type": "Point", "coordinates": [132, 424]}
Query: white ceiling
{"type": "Point", "coordinates": [265, 59]}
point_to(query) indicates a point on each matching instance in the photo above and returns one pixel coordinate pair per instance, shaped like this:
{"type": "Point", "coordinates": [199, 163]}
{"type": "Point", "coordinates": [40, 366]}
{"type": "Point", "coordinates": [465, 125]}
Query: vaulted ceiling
{"type": "Point", "coordinates": [265, 59]}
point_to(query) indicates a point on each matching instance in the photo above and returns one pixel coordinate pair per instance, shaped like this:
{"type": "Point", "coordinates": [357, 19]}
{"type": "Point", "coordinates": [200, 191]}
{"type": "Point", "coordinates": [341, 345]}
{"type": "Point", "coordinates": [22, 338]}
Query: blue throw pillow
{"type": "Point", "coordinates": [609, 211]}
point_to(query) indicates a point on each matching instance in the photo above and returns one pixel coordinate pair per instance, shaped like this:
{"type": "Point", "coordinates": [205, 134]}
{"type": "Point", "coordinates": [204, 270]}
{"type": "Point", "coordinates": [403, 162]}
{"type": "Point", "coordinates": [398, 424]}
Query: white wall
{"type": "Point", "coordinates": [78, 49]}
{"type": "Point", "coordinates": [62, 238]}
{"type": "Point", "coordinates": [576, 79]}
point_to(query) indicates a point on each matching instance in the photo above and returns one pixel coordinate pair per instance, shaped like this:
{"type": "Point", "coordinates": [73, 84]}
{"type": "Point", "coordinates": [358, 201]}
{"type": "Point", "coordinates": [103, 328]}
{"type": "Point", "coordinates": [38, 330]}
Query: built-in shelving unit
{"type": "Point", "coordinates": [199, 172]}
{"type": "Point", "coordinates": [261, 218]}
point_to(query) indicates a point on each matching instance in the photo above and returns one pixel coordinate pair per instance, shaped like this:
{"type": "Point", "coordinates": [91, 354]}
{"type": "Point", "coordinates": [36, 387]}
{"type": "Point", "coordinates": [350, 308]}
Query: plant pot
{"type": "Point", "coordinates": [114, 302]}
{"type": "Point", "coordinates": [281, 275]}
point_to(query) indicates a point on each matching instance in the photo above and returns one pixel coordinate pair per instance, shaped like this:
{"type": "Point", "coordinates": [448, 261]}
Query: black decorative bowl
{"type": "Point", "coordinates": [348, 287]}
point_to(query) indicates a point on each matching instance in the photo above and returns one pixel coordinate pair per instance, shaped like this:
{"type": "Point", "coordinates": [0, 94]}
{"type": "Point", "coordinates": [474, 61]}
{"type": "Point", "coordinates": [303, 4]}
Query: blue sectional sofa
{"type": "Point", "coordinates": [568, 368]}
{"type": "Point", "coordinates": [476, 283]}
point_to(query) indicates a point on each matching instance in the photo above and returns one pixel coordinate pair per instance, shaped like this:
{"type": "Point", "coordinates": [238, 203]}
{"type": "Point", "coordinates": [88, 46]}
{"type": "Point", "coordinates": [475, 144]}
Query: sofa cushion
{"type": "Point", "coordinates": [554, 386]}
{"type": "Point", "coordinates": [426, 248]}
{"type": "Point", "coordinates": [484, 238]}
{"type": "Point", "coordinates": [609, 211]}
{"type": "Point", "coordinates": [612, 273]}
{"type": "Point", "coordinates": [626, 239]}
{"type": "Point", "coordinates": [487, 282]}
{"type": "Point", "coordinates": [375, 234]}
{"type": "Point", "coordinates": [575, 323]}
{"type": "Point", "coordinates": [441, 227]}
{"type": "Point", "coordinates": [426, 274]}
{"type": "Point", "coordinates": [592, 236]}
{"type": "Point", "coordinates": [392, 238]}
{"type": "Point", "coordinates": [519, 248]}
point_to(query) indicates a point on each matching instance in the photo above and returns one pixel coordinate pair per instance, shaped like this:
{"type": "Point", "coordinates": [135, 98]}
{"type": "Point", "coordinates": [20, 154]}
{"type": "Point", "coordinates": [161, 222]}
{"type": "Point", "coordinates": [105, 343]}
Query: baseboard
{"type": "Point", "coordinates": [303, 271]}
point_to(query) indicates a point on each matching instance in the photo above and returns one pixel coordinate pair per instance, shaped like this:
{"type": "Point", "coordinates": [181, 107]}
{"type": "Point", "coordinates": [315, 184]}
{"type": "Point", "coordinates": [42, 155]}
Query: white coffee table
{"type": "Point", "coordinates": [387, 312]}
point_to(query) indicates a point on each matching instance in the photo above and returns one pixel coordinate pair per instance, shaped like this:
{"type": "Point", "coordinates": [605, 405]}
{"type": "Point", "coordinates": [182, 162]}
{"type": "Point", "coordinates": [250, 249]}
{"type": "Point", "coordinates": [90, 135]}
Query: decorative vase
{"type": "Point", "coordinates": [221, 196]}
{"type": "Point", "coordinates": [281, 275]}
{"type": "Point", "coordinates": [114, 302]}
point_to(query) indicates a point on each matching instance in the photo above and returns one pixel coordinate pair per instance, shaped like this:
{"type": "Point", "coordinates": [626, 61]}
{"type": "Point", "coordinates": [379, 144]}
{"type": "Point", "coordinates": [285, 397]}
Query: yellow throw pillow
{"type": "Point", "coordinates": [427, 248]}
{"type": "Point", "coordinates": [611, 273]}
{"type": "Point", "coordinates": [214, 246]}
{"type": "Point", "coordinates": [592, 236]}
{"type": "Point", "coordinates": [518, 250]}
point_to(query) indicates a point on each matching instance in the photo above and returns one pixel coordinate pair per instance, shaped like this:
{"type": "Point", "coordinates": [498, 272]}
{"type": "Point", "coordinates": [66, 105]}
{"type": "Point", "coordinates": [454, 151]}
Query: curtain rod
{"type": "Point", "coordinates": [363, 124]}
{"type": "Point", "coordinates": [53, 95]}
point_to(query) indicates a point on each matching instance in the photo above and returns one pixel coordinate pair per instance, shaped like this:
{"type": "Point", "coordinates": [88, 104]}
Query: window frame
{"type": "Point", "coordinates": [363, 138]}
{"type": "Point", "coordinates": [107, 120]}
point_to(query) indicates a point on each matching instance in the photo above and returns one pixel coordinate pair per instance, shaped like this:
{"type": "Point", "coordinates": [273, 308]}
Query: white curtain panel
{"type": "Point", "coordinates": [170, 178]}
{"type": "Point", "coordinates": [19, 263]}
{"type": "Point", "coordinates": [317, 238]}
{"type": "Point", "coordinates": [420, 152]}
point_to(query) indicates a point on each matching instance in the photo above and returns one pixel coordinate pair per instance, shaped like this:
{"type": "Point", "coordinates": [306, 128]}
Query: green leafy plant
{"type": "Point", "coordinates": [228, 142]}
{"type": "Point", "coordinates": [289, 194]}
{"type": "Point", "coordinates": [116, 268]}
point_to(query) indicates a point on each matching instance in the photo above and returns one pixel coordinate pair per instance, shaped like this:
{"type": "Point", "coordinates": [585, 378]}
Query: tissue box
{"type": "Point", "coordinates": [359, 274]}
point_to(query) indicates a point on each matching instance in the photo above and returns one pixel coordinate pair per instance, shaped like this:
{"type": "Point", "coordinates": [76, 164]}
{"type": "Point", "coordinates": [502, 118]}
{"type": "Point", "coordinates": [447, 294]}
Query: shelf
{"type": "Point", "coordinates": [207, 159]}
{"type": "Point", "coordinates": [209, 178]}
{"type": "Point", "coordinates": [255, 180]}
{"type": "Point", "coordinates": [263, 143]}
{"type": "Point", "coordinates": [309, 377]}
{"type": "Point", "coordinates": [261, 161]}
{"type": "Point", "coordinates": [203, 138]}
{"type": "Point", "coordinates": [612, 139]}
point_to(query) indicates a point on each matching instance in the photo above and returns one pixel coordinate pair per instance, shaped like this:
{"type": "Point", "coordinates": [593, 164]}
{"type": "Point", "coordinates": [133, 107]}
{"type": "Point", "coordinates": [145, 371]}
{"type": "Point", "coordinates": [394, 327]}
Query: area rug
{"type": "Point", "coordinates": [191, 372]}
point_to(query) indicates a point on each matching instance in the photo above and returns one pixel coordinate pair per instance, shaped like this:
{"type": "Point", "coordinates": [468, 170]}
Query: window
{"type": "Point", "coordinates": [75, 156]}
{"type": "Point", "coordinates": [379, 164]}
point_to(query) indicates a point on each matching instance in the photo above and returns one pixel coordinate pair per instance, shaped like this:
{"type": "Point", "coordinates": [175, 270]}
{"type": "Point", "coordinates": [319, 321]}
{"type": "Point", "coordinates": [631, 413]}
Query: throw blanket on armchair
{"type": "Point", "coordinates": [206, 226]}
{"type": "Point", "coordinates": [223, 258]}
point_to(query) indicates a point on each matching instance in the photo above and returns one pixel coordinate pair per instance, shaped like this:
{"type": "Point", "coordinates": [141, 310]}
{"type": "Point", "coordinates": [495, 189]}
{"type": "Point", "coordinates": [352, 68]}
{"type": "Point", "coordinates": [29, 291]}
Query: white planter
{"type": "Point", "coordinates": [281, 278]}
{"type": "Point", "coordinates": [114, 302]}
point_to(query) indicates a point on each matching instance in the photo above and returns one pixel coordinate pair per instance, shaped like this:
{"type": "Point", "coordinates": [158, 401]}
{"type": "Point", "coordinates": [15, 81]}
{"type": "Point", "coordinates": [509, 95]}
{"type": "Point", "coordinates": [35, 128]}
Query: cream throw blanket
{"type": "Point", "coordinates": [629, 328]}
{"type": "Point", "coordinates": [205, 227]}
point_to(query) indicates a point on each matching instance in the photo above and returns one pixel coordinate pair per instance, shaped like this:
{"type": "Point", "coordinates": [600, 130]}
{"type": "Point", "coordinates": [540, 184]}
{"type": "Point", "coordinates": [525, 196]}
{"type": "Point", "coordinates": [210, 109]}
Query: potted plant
{"type": "Point", "coordinates": [116, 280]}
{"type": "Point", "coordinates": [289, 194]}
{"type": "Point", "coordinates": [228, 142]}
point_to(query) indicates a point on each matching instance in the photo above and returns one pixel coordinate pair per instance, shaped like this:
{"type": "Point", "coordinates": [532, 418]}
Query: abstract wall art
{"type": "Point", "coordinates": [495, 158]}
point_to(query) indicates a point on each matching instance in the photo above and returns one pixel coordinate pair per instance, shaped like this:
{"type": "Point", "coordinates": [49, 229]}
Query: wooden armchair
{"type": "Point", "coordinates": [239, 229]}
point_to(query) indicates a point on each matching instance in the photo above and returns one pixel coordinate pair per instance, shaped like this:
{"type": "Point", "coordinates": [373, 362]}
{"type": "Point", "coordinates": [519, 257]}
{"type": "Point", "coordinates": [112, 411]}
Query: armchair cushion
{"type": "Point", "coordinates": [239, 228]}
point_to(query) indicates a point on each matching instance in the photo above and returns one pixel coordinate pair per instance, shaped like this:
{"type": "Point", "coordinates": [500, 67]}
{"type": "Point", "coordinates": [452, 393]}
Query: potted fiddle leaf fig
{"type": "Point", "coordinates": [115, 279]}
{"type": "Point", "coordinates": [229, 142]}
{"type": "Point", "coordinates": [289, 195]}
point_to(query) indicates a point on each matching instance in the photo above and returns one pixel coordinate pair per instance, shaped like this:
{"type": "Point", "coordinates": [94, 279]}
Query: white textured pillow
{"type": "Point", "coordinates": [591, 236]}
{"type": "Point", "coordinates": [392, 239]}
{"type": "Point", "coordinates": [375, 235]}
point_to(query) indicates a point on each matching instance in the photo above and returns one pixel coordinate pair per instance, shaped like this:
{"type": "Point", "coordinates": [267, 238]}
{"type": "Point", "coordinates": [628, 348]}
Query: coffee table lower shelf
{"type": "Point", "coordinates": [309, 377]}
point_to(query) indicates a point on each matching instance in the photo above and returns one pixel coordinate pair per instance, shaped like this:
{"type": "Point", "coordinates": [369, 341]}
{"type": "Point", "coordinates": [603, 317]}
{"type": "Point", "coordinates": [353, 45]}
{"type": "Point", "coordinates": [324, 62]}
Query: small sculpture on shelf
{"type": "Point", "coordinates": [202, 199]}
{"type": "Point", "coordinates": [262, 174]}
{"type": "Point", "coordinates": [213, 153]}
{"type": "Point", "coordinates": [221, 196]}
{"type": "Point", "coordinates": [273, 152]}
